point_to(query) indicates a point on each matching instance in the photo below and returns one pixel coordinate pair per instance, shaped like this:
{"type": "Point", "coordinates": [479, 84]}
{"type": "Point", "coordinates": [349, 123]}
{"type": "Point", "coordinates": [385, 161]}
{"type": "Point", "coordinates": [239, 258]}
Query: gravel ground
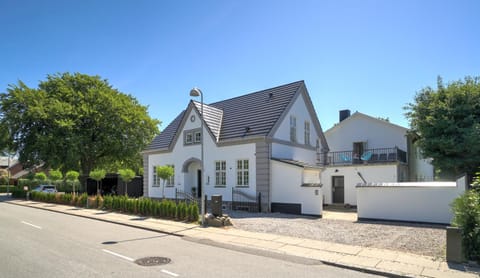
{"type": "Point", "coordinates": [422, 239]}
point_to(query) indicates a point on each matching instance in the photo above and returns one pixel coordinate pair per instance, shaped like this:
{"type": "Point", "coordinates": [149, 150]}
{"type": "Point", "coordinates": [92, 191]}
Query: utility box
{"type": "Point", "coordinates": [217, 205]}
{"type": "Point", "coordinates": [454, 245]}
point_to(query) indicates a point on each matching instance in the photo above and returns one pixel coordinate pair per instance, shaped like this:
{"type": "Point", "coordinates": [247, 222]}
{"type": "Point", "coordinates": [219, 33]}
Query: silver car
{"type": "Point", "coordinates": [45, 188]}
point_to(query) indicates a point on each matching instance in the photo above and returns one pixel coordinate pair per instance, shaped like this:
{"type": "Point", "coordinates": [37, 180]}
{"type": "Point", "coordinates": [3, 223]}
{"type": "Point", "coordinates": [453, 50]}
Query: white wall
{"type": "Point", "coordinates": [286, 188]}
{"type": "Point", "coordinates": [295, 153]}
{"type": "Point", "coordinates": [300, 111]}
{"type": "Point", "coordinates": [361, 128]}
{"type": "Point", "coordinates": [415, 202]}
{"type": "Point", "coordinates": [185, 181]}
{"type": "Point", "coordinates": [289, 151]}
{"type": "Point", "coordinates": [377, 173]}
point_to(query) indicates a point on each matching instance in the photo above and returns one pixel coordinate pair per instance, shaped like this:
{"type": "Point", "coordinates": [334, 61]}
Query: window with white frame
{"type": "Point", "coordinates": [220, 173]}
{"type": "Point", "coordinates": [188, 138]}
{"type": "Point", "coordinates": [156, 178]}
{"type": "Point", "coordinates": [307, 133]}
{"type": "Point", "coordinates": [242, 172]}
{"type": "Point", "coordinates": [171, 180]}
{"type": "Point", "coordinates": [192, 136]}
{"type": "Point", "coordinates": [293, 129]}
{"type": "Point", "coordinates": [198, 137]}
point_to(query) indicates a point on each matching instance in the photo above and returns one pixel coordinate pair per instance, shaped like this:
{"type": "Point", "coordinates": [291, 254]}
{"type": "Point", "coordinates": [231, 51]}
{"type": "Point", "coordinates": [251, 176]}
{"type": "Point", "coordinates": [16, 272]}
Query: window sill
{"type": "Point", "coordinates": [220, 186]}
{"type": "Point", "coordinates": [242, 186]}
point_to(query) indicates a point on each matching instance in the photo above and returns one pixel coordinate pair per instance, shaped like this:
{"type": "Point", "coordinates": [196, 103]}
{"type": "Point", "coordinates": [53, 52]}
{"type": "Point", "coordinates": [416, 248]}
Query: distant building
{"type": "Point", "coordinates": [367, 149]}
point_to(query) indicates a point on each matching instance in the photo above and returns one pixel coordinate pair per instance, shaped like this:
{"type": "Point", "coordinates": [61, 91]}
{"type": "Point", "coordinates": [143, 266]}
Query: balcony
{"type": "Point", "coordinates": [369, 156]}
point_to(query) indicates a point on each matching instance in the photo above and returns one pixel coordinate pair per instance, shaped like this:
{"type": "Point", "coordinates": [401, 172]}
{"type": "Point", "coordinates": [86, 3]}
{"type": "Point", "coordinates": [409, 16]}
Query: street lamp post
{"type": "Point", "coordinates": [195, 92]}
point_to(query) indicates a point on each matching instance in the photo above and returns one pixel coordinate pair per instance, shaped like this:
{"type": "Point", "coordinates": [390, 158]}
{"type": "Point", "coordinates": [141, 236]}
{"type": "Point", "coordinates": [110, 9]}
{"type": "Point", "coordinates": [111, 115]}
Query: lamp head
{"type": "Point", "coordinates": [195, 92]}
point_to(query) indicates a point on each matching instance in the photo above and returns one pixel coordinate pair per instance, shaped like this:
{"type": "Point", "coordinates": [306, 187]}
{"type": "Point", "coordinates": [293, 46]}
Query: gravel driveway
{"type": "Point", "coordinates": [429, 240]}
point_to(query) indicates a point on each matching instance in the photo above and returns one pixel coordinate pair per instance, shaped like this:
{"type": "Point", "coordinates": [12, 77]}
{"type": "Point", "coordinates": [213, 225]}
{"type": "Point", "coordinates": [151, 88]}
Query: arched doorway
{"type": "Point", "coordinates": [192, 176]}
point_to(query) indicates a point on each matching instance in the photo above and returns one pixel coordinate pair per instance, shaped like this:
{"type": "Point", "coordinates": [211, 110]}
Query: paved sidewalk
{"type": "Point", "coordinates": [355, 257]}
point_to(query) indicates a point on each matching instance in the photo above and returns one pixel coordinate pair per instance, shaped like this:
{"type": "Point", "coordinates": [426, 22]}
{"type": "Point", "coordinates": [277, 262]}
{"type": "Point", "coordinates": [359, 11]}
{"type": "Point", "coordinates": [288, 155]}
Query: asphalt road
{"type": "Point", "coordinates": [38, 243]}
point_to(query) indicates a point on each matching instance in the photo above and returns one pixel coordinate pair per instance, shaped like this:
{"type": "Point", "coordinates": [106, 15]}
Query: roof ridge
{"type": "Point", "coordinates": [256, 92]}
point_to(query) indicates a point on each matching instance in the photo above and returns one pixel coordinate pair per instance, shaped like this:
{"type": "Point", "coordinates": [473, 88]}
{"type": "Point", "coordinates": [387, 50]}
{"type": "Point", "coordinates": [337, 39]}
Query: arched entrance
{"type": "Point", "coordinates": [192, 176]}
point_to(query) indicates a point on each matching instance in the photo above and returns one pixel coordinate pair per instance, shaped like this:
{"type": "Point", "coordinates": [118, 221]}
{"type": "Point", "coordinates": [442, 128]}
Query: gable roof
{"type": "Point", "coordinates": [251, 115]}
{"type": "Point", "coordinates": [357, 115]}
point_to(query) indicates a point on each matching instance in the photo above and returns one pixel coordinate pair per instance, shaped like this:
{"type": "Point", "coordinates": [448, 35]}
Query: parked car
{"type": "Point", "coordinates": [45, 188]}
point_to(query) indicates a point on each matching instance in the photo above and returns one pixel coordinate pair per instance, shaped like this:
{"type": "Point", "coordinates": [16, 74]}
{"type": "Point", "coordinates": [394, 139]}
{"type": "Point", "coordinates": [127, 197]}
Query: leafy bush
{"type": "Point", "coordinates": [3, 180]}
{"type": "Point", "coordinates": [27, 182]}
{"type": "Point", "coordinates": [466, 209]}
{"type": "Point", "coordinates": [18, 192]}
{"type": "Point", "coordinates": [3, 188]}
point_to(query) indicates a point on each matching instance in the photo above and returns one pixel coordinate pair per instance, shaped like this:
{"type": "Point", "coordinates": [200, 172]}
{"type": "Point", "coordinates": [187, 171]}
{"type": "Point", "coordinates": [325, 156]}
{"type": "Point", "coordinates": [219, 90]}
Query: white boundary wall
{"type": "Point", "coordinates": [413, 201]}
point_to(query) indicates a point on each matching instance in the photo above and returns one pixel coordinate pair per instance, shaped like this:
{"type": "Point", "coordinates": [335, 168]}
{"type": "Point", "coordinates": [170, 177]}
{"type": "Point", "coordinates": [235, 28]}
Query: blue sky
{"type": "Point", "coordinates": [367, 56]}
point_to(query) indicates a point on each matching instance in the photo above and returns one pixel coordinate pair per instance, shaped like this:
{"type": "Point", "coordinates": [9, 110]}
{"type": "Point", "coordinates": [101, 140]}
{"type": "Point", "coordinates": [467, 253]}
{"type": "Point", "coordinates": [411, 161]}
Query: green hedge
{"type": "Point", "coordinates": [3, 188]}
{"type": "Point", "coordinates": [18, 192]}
{"type": "Point", "coordinates": [466, 209]}
{"type": "Point", "coordinates": [166, 209]}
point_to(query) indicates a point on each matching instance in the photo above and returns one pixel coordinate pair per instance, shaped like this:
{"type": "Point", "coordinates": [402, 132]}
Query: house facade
{"type": "Point", "coordinates": [266, 144]}
{"type": "Point", "coordinates": [364, 149]}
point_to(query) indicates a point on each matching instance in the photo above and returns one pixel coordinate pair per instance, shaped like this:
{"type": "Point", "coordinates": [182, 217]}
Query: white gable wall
{"type": "Point", "coordinates": [359, 128]}
{"type": "Point", "coordinates": [181, 153]}
{"type": "Point", "coordinates": [297, 151]}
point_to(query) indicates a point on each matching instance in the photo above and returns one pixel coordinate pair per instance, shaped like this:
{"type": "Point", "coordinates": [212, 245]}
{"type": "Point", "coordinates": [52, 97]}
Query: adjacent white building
{"type": "Point", "coordinates": [265, 143]}
{"type": "Point", "coordinates": [364, 149]}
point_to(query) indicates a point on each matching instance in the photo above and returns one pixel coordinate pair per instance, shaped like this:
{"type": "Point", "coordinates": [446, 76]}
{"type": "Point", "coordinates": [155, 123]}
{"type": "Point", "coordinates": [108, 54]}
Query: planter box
{"type": "Point", "coordinates": [454, 245]}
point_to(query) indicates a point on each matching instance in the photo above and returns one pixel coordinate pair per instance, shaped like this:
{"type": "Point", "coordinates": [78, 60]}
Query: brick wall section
{"type": "Point", "coordinates": [145, 175]}
{"type": "Point", "coordinates": [263, 151]}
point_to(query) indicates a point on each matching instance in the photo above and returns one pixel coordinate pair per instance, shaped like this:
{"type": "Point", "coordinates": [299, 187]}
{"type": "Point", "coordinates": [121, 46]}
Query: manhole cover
{"type": "Point", "coordinates": [151, 261]}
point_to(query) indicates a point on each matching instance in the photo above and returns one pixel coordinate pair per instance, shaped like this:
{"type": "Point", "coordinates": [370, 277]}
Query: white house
{"type": "Point", "coordinates": [364, 149]}
{"type": "Point", "coordinates": [265, 143]}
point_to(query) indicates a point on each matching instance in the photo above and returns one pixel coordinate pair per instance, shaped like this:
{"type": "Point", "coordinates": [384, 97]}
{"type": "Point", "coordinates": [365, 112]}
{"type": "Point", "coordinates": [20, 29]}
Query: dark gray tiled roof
{"type": "Point", "coordinates": [164, 139]}
{"type": "Point", "coordinates": [213, 118]}
{"type": "Point", "coordinates": [253, 114]}
{"type": "Point", "coordinates": [257, 111]}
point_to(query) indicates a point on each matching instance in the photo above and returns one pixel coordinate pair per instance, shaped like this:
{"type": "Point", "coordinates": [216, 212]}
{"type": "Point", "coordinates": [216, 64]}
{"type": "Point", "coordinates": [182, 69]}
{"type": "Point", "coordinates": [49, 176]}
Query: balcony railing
{"type": "Point", "coordinates": [381, 155]}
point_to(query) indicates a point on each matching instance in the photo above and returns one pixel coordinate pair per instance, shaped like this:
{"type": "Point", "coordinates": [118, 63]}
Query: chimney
{"type": "Point", "coordinates": [344, 114]}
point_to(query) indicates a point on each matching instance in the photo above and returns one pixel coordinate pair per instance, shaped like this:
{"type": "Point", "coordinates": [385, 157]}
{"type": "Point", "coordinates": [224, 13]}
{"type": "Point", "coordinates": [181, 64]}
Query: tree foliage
{"type": "Point", "coordinates": [74, 121]}
{"type": "Point", "coordinates": [447, 120]}
{"type": "Point", "coordinates": [41, 177]}
{"type": "Point", "coordinates": [55, 175]}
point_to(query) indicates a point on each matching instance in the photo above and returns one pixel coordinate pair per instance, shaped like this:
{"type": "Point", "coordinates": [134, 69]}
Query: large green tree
{"type": "Point", "coordinates": [447, 120]}
{"type": "Point", "coordinates": [75, 121]}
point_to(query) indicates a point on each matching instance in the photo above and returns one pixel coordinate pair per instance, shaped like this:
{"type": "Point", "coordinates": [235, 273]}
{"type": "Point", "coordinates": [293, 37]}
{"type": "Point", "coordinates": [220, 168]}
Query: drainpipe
{"type": "Point", "coordinates": [360, 175]}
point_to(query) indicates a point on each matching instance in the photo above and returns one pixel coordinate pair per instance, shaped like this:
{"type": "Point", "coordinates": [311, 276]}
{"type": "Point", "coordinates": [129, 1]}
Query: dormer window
{"type": "Point", "coordinates": [192, 137]}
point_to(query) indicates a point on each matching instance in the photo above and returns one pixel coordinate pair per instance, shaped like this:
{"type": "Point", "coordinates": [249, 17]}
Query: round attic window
{"type": "Point", "coordinates": [192, 118]}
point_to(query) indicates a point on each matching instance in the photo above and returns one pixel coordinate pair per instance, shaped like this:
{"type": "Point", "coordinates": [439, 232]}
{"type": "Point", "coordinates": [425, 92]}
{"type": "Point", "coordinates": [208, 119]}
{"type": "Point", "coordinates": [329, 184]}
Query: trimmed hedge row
{"type": "Point", "coordinates": [142, 206]}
